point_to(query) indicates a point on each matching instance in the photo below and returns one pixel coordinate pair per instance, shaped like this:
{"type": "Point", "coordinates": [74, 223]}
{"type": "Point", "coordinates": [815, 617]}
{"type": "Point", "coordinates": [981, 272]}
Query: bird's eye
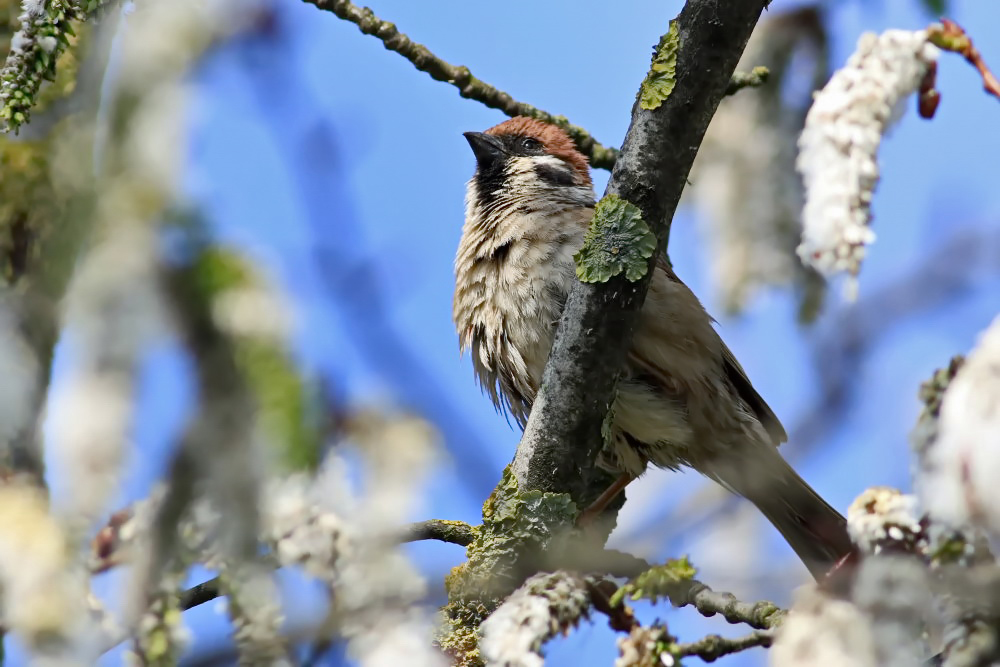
{"type": "Point", "coordinates": [531, 144]}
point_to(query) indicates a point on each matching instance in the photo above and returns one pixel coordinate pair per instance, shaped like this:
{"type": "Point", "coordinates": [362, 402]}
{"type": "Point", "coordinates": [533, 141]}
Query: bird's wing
{"type": "Point", "coordinates": [738, 377]}
{"type": "Point", "coordinates": [676, 318]}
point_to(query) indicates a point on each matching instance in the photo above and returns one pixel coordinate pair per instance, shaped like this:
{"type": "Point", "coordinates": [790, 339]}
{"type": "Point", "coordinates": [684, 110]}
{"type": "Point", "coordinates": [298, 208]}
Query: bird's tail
{"type": "Point", "coordinates": [815, 531]}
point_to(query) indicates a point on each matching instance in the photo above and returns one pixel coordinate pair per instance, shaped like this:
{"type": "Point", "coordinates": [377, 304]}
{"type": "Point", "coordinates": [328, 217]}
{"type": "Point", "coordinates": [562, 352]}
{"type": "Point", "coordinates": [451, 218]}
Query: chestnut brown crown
{"type": "Point", "coordinates": [553, 139]}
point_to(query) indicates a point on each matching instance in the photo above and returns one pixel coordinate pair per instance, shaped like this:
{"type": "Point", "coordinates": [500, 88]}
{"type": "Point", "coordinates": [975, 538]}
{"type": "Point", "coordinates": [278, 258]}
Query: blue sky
{"type": "Point", "coordinates": [343, 170]}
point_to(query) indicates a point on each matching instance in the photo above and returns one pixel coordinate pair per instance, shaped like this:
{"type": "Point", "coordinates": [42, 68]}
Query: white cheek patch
{"type": "Point", "coordinates": [540, 172]}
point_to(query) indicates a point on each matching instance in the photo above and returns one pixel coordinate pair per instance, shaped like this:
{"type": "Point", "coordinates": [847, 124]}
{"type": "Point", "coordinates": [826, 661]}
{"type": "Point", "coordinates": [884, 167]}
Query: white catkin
{"type": "Point", "coordinates": [894, 594]}
{"type": "Point", "coordinates": [44, 600]}
{"type": "Point", "coordinates": [379, 592]}
{"type": "Point", "coordinates": [883, 515]}
{"type": "Point", "coordinates": [640, 647]}
{"type": "Point", "coordinates": [254, 311]}
{"type": "Point", "coordinates": [160, 632]}
{"type": "Point", "coordinates": [113, 312]}
{"type": "Point", "coordinates": [33, 8]}
{"type": "Point", "coordinates": [255, 611]}
{"type": "Point", "coordinates": [304, 533]}
{"type": "Point", "coordinates": [821, 631]}
{"type": "Point", "coordinates": [838, 147]}
{"type": "Point", "coordinates": [343, 535]}
{"type": "Point", "coordinates": [544, 606]}
{"type": "Point", "coordinates": [743, 181]}
{"type": "Point", "coordinates": [957, 481]}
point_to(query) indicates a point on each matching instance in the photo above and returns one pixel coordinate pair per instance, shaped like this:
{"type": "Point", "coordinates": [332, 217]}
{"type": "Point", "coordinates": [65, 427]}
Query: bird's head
{"type": "Point", "coordinates": [529, 165]}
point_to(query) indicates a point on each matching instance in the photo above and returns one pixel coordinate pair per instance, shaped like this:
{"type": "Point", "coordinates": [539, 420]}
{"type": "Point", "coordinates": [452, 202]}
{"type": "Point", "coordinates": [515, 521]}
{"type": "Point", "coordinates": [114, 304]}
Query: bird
{"type": "Point", "coordinates": [683, 400]}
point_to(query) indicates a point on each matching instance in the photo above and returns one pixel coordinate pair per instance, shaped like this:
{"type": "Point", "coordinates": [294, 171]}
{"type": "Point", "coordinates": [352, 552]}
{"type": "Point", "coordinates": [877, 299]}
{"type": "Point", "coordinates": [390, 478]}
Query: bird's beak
{"type": "Point", "coordinates": [488, 149]}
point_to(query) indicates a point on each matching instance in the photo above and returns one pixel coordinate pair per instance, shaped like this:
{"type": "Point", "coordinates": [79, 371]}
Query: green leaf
{"type": "Point", "coordinates": [660, 80]}
{"type": "Point", "coordinates": [656, 582]}
{"type": "Point", "coordinates": [618, 241]}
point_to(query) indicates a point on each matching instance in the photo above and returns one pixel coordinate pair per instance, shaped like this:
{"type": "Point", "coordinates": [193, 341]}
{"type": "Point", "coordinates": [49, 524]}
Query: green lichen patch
{"type": "Point", "coordinates": [520, 531]}
{"type": "Point", "coordinates": [459, 637]}
{"type": "Point", "coordinates": [660, 80]}
{"type": "Point", "coordinates": [656, 582]}
{"type": "Point", "coordinates": [618, 241]}
{"type": "Point", "coordinates": [517, 528]}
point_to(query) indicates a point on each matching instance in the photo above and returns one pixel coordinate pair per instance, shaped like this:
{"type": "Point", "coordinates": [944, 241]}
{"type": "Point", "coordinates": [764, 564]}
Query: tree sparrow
{"type": "Point", "coordinates": [683, 399]}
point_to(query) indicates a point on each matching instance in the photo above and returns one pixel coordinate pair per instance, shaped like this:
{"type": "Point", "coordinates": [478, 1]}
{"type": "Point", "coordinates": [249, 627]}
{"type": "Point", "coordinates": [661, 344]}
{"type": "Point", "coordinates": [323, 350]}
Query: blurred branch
{"type": "Point", "coordinates": [45, 209]}
{"type": "Point", "coordinates": [744, 185]}
{"type": "Point", "coordinates": [755, 78]}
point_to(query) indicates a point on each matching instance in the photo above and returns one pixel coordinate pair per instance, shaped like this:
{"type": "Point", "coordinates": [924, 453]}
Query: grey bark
{"type": "Point", "coordinates": [563, 436]}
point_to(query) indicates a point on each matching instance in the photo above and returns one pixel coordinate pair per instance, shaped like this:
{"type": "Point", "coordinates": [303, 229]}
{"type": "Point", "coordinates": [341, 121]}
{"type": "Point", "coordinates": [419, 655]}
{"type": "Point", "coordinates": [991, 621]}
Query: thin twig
{"type": "Point", "coordinates": [453, 532]}
{"type": "Point", "coordinates": [762, 615]}
{"type": "Point", "coordinates": [950, 36]}
{"type": "Point", "coordinates": [204, 592]}
{"type": "Point", "coordinates": [753, 79]}
{"type": "Point", "coordinates": [713, 647]}
{"type": "Point", "coordinates": [469, 86]}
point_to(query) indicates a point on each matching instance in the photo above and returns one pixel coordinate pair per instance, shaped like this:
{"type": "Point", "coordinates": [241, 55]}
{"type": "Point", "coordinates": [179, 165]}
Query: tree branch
{"type": "Point", "coordinates": [563, 435]}
{"type": "Point", "coordinates": [755, 78]}
{"type": "Point", "coordinates": [453, 532]}
{"type": "Point", "coordinates": [762, 615]}
{"type": "Point", "coordinates": [600, 156]}
{"type": "Point", "coordinates": [713, 647]}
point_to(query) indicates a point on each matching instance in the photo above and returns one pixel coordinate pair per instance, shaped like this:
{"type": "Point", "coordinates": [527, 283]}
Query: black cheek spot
{"type": "Point", "coordinates": [554, 175]}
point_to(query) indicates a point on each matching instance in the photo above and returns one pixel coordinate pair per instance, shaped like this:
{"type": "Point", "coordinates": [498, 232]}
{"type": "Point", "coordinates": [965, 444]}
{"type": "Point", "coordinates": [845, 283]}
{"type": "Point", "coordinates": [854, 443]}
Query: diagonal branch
{"type": "Point", "coordinates": [563, 435]}
{"type": "Point", "coordinates": [459, 76]}
{"type": "Point", "coordinates": [601, 157]}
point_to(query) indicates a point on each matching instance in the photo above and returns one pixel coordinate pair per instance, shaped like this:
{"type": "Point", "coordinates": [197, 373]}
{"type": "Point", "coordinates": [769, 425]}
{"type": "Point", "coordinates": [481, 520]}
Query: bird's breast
{"type": "Point", "coordinates": [508, 302]}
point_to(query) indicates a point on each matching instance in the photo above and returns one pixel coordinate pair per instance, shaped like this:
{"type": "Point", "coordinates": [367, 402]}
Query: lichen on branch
{"type": "Point", "coordinates": [520, 532]}
{"type": "Point", "coordinates": [617, 242]}
{"type": "Point", "coordinates": [662, 76]}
